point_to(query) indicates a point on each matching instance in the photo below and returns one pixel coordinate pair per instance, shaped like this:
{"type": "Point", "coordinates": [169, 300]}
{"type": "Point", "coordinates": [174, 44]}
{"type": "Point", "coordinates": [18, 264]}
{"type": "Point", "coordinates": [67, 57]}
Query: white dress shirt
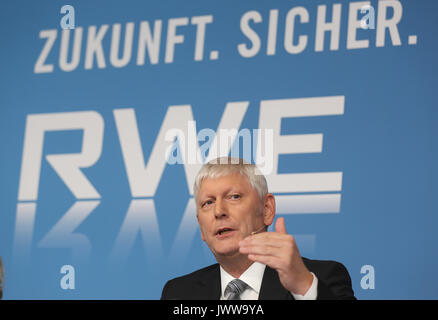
{"type": "Point", "coordinates": [253, 278]}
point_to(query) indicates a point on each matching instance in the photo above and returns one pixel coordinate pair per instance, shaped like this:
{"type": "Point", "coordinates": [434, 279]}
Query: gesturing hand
{"type": "Point", "coordinates": [279, 251]}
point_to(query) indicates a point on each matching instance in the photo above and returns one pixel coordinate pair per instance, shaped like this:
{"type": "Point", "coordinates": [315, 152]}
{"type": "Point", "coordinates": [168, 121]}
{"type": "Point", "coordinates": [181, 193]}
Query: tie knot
{"type": "Point", "coordinates": [234, 289]}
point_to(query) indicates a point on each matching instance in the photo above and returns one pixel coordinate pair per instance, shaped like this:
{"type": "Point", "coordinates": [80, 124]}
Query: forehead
{"type": "Point", "coordinates": [219, 184]}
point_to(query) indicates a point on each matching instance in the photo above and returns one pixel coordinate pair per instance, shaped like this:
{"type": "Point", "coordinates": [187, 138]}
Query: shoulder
{"type": "Point", "coordinates": [197, 275]}
{"type": "Point", "coordinates": [190, 283]}
{"type": "Point", "coordinates": [325, 267]}
{"type": "Point", "coordinates": [332, 276]}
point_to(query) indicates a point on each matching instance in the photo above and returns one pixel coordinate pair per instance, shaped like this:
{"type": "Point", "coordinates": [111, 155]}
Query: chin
{"type": "Point", "coordinates": [226, 251]}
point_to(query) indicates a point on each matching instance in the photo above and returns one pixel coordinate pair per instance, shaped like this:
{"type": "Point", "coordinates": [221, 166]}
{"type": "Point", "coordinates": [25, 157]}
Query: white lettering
{"type": "Point", "coordinates": [243, 49]}
{"type": "Point", "coordinates": [200, 23]}
{"type": "Point", "coordinates": [94, 47]}
{"type": "Point", "coordinates": [76, 52]}
{"type": "Point", "coordinates": [368, 20]}
{"type": "Point", "coordinates": [391, 24]}
{"type": "Point", "coordinates": [289, 46]}
{"type": "Point", "coordinates": [115, 43]}
{"type": "Point", "coordinates": [143, 181]}
{"type": "Point", "coordinates": [40, 66]}
{"type": "Point", "coordinates": [148, 42]}
{"type": "Point", "coordinates": [272, 32]}
{"type": "Point", "coordinates": [271, 113]}
{"type": "Point", "coordinates": [173, 38]}
{"type": "Point", "coordinates": [67, 166]}
{"type": "Point", "coordinates": [333, 27]}
{"type": "Point", "coordinates": [354, 24]}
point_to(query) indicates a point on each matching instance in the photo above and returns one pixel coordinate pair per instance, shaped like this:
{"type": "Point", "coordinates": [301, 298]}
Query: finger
{"type": "Point", "coordinates": [267, 260]}
{"type": "Point", "coordinates": [264, 236]}
{"type": "Point", "coordinates": [263, 250]}
{"type": "Point", "coordinates": [279, 226]}
{"type": "Point", "coordinates": [275, 240]}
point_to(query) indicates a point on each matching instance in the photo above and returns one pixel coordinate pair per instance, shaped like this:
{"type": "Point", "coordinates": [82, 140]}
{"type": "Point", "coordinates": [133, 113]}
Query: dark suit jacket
{"type": "Point", "coordinates": [205, 284]}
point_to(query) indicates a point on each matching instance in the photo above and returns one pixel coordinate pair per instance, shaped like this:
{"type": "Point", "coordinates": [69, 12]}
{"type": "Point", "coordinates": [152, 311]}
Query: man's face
{"type": "Point", "coordinates": [229, 209]}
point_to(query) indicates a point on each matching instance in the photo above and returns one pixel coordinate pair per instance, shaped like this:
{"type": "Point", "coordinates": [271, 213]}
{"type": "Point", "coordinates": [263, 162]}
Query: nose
{"type": "Point", "coordinates": [220, 210]}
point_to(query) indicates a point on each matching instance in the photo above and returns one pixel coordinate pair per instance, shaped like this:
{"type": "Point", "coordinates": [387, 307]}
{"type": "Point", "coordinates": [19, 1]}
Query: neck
{"type": "Point", "coordinates": [235, 266]}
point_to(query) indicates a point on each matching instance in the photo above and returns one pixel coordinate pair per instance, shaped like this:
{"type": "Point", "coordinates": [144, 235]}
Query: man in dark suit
{"type": "Point", "coordinates": [234, 210]}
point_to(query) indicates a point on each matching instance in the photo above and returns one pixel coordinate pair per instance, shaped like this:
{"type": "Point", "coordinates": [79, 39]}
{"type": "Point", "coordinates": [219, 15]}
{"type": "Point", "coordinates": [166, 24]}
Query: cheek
{"type": "Point", "coordinates": [203, 227]}
{"type": "Point", "coordinates": [252, 220]}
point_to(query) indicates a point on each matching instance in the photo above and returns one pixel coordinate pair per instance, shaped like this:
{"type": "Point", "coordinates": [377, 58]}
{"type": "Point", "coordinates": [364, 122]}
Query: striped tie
{"type": "Point", "coordinates": [234, 289]}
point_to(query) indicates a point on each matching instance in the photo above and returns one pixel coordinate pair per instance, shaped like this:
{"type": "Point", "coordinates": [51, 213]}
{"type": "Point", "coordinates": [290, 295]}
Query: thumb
{"type": "Point", "coordinates": [279, 226]}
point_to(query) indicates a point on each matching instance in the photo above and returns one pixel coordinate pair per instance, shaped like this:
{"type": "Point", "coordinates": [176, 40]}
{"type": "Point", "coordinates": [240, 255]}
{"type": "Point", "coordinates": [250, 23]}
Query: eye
{"type": "Point", "coordinates": [235, 196]}
{"type": "Point", "coordinates": [206, 203]}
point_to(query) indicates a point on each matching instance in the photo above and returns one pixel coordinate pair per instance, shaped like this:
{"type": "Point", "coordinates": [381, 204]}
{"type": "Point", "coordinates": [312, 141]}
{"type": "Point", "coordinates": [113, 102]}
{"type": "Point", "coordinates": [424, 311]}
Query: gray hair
{"type": "Point", "coordinates": [224, 166]}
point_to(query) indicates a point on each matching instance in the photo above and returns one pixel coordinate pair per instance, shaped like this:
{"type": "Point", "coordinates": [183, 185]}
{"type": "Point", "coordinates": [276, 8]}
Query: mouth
{"type": "Point", "coordinates": [224, 232]}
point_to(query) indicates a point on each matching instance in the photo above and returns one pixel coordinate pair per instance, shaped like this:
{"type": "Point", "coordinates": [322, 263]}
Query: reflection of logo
{"type": "Point", "coordinates": [322, 189]}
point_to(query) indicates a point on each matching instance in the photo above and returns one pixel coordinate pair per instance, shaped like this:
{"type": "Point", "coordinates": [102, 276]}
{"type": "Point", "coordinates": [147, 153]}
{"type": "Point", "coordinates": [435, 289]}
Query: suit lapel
{"type": "Point", "coordinates": [271, 288]}
{"type": "Point", "coordinates": [210, 284]}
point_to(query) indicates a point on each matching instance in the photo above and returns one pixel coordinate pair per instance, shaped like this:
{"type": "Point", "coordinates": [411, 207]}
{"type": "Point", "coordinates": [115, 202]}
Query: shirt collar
{"type": "Point", "coordinates": [252, 277]}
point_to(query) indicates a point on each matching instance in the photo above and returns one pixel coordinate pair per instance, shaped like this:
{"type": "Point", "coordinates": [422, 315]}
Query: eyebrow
{"type": "Point", "coordinates": [227, 191]}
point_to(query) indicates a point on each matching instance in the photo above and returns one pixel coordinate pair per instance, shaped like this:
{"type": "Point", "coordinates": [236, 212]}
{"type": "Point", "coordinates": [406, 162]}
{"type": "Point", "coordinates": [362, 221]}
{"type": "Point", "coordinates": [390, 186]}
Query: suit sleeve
{"type": "Point", "coordinates": [334, 283]}
{"type": "Point", "coordinates": [164, 295]}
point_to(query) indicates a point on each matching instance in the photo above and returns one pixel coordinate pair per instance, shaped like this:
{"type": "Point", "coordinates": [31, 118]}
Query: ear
{"type": "Point", "coordinates": [269, 209]}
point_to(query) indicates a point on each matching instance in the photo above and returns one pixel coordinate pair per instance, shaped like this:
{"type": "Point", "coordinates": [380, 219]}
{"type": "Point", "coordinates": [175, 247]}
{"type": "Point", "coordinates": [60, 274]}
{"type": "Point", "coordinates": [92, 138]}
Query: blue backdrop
{"type": "Point", "coordinates": [349, 96]}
